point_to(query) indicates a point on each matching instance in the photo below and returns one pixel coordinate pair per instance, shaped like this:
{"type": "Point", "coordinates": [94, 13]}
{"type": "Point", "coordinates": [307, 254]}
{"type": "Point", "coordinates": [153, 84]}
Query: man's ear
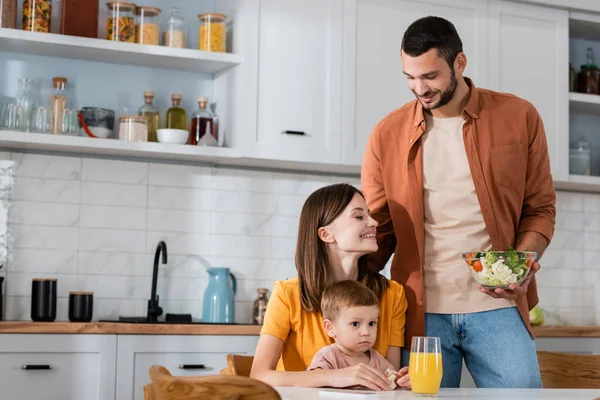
{"type": "Point", "coordinates": [325, 235]}
{"type": "Point", "coordinates": [329, 329]}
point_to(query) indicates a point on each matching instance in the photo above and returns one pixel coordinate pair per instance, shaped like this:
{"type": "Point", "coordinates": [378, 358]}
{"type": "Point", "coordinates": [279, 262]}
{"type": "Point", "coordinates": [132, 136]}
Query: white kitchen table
{"type": "Point", "coordinates": [293, 393]}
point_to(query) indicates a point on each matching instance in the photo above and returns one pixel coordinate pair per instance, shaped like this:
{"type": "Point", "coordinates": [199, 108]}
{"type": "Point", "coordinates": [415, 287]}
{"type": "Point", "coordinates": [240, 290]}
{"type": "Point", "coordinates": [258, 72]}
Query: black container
{"type": "Point", "coordinates": [43, 300]}
{"type": "Point", "coordinates": [81, 306]}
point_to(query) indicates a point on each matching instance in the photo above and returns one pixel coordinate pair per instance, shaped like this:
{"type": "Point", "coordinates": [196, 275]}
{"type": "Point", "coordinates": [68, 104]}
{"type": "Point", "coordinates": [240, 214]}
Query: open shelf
{"type": "Point", "coordinates": [584, 103]}
{"type": "Point", "coordinates": [80, 48]}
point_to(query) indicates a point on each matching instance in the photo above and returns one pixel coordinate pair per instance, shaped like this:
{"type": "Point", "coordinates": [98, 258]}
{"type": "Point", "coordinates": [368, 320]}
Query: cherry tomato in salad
{"type": "Point", "coordinates": [477, 267]}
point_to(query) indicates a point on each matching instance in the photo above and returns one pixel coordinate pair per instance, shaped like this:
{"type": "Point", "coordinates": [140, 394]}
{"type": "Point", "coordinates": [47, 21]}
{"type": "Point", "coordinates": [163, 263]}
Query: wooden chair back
{"type": "Point", "coordinates": [569, 371]}
{"type": "Point", "coordinates": [238, 364]}
{"type": "Point", "coordinates": [165, 386]}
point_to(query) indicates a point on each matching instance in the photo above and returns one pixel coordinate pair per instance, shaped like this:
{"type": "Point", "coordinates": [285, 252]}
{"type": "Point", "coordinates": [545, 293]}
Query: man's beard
{"type": "Point", "coordinates": [445, 96]}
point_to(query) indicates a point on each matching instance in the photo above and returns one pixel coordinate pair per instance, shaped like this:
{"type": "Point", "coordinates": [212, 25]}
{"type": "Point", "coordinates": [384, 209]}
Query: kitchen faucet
{"type": "Point", "coordinates": [154, 310]}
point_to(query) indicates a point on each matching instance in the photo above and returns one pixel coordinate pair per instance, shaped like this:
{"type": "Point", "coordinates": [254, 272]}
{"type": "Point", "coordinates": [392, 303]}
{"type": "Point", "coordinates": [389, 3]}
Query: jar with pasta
{"type": "Point", "coordinates": [174, 35]}
{"type": "Point", "coordinates": [212, 35]}
{"type": "Point", "coordinates": [37, 15]}
{"type": "Point", "coordinates": [120, 24]}
{"type": "Point", "coordinates": [133, 128]}
{"type": "Point", "coordinates": [146, 25]}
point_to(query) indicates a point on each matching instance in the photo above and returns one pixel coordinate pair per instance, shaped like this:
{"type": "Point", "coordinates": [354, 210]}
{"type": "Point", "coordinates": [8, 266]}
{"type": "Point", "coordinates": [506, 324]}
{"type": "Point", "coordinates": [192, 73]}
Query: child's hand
{"type": "Point", "coordinates": [402, 378]}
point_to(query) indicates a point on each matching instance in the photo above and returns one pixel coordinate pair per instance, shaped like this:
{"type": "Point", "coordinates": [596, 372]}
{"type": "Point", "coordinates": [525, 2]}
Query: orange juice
{"type": "Point", "coordinates": [425, 370]}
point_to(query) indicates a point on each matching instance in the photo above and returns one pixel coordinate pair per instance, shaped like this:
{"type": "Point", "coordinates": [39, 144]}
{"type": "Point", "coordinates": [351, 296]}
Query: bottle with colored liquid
{"type": "Point", "coordinates": [149, 111]}
{"type": "Point", "coordinates": [203, 131]}
{"type": "Point", "coordinates": [176, 117]}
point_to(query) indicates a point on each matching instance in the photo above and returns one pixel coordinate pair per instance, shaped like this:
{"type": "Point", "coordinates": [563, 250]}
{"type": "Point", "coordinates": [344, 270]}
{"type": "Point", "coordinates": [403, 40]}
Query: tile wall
{"type": "Point", "coordinates": [95, 223]}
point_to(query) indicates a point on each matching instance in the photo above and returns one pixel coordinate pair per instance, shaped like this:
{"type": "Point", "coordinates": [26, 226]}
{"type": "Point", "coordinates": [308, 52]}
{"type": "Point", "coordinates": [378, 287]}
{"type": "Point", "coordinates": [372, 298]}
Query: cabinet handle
{"type": "Point", "coordinates": [299, 133]}
{"type": "Point", "coordinates": [36, 367]}
{"type": "Point", "coordinates": [191, 366]}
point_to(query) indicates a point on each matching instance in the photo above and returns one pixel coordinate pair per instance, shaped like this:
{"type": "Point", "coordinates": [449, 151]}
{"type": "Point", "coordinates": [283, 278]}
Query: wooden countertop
{"type": "Point", "coordinates": [201, 329]}
{"type": "Point", "coordinates": [120, 328]}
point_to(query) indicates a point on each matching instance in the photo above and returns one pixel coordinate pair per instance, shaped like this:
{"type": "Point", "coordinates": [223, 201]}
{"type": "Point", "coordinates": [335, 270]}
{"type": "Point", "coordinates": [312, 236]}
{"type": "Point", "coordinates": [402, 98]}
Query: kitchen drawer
{"type": "Point", "coordinates": [74, 367]}
{"type": "Point", "coordinates": [136, 354]}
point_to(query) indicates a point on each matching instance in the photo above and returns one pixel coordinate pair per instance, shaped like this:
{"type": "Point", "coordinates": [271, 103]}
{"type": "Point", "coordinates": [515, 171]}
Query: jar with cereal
{"type": "Point", "coordinates": [174, 35]}
{"type": "Point", "coordinates": [37, 15]}
{"type": "Point", "coordinates": [146, 26]}
{"type": "Point", "coordinates": [212, 35]}
{"type": "Point", "coordinates": [120, 24]}
{"type": "Point", "coordinates": [133, 128]}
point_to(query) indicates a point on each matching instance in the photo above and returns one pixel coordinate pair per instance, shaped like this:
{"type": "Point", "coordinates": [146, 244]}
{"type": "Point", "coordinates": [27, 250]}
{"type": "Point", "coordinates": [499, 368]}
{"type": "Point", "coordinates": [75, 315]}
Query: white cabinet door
{"type": "Point", "coordinates": [373, 83]}
{"type": "Point", "coordinates": [296, 62]}
{"type": "Point", "coordinates": [57, 367]}
{"type": "Point", "coordinates": [529, 58]}
{"type": "Point", "coordinates": [181, 355]}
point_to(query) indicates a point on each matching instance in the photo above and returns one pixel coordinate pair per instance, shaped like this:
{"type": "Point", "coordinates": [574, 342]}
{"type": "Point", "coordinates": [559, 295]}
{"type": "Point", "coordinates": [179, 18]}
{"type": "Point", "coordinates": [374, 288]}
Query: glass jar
{"type": "Point", "coordinates": [8, 14]}
{"type": "Point", "coordinates": [120, 24]}
{"type": "Point", "coordinates": [260, 306]}
{"type": "Point", "coordinates": [27, 99]}
{"type": "Point", "coordinates": [37, 15]}
{"type": "Point", "coordinates": [58, 102]}
{"type": "Point", "coordinates": [146, 26]}
{"type": "Point", "coordinates": [589, 77]}
{"type": "Point", "coordinates": [149, 111]}
{"type": "Point", "coordinates": [174, 35]}
{"type": "Point", "coordinates": [133, 128]}
{"type": "Point", "coordinates": [203, 131]}
{"type": "Point", "coordinates": [212, 34]}
{"type": "Point", "coordinates": [580, 160]}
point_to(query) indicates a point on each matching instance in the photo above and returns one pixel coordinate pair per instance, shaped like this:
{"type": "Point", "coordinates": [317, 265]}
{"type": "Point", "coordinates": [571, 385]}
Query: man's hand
{"type": "Point", "coordinates": [513, 291]}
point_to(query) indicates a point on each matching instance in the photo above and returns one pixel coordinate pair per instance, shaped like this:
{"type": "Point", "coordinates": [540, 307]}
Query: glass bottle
{"type": "Point", "coordinates": [27, 99]}
{"type": "Point", "coordinates": [589, 76]}
{"type": "Point", "coordinates": [203, 131]}
{"type": "Point", "coordinates": [58, 103]}
{"type": "Point", "coordinates": [260, 306]}
{"type": "Point", "coordinates": [174, 35]}
{"type": "Point", "coordinates": [149, 111]}
{"type": "Point", "coordinates": [176, 116]}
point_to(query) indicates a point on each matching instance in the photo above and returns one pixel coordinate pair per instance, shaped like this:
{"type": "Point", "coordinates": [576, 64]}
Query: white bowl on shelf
{"type": "Point", "coordinates": [173, 136]}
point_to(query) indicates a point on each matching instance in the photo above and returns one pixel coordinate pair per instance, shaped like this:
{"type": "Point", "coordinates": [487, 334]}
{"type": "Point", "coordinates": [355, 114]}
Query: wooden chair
{"type": "Point", "coordinates": [569, 371]}
{"type": "Point", "coordinates": [165, 386]}
{"type": "Point", "coordinates": [238, 365]}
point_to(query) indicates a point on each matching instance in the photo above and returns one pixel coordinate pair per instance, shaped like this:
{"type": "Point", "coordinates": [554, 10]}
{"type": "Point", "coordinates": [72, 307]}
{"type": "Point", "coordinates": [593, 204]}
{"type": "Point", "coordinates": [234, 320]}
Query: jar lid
{"type": "Point", "coordinates": [148, 94]}
{"type": "Point", "coordinates": [82, 293]}
{"type": "Point", "coordinates": [212, 17]}
{"type": "Point", "coordinates": [147, 10]}
{"type": "Point", "coordinates": [123, 5]}
{"type": "Point", "coordinates": [134, 118]}
{"type": "Point", "coordinates": [202, 100]}
{"type": "Point", "coordinates": [44, 279]}
{"type": "Point", "coordinates": [59, 81]}
{"type": "Point", "coordinates": [176, 97]}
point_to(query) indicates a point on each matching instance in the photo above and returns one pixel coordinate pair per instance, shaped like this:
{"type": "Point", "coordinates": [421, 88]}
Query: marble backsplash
{"type": "Point", "coordinates": [94, 224]}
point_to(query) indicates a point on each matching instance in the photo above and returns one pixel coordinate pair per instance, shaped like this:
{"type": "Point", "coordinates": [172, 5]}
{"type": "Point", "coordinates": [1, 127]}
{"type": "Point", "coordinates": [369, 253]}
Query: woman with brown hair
{"type": "Point", "coordinates": [334, 235]}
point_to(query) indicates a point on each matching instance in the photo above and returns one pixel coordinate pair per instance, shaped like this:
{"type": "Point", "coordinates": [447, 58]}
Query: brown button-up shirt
{"type": "Point", "coordinates": [508, 157]}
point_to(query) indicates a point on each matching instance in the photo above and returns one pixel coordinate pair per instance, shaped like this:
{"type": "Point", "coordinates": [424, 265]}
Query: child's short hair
{"type": "Point", "coordinates": [345, 294]}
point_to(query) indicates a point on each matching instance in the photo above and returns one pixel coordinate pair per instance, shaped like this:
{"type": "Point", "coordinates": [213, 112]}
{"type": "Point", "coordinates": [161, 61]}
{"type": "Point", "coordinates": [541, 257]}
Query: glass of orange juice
{"type": "Point", "coordinates": [425, 366]}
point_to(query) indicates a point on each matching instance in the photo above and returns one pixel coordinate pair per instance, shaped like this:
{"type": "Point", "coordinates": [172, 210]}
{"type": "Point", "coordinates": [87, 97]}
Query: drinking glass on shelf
{"type": "Point", "coordinates": [42, 120]}
{"type": "Point", "coordinates": [12, 117]}
{"type": "Point", "coordinates": [425, 366]}
{"type": "Point", "coordinates": [70, 123]}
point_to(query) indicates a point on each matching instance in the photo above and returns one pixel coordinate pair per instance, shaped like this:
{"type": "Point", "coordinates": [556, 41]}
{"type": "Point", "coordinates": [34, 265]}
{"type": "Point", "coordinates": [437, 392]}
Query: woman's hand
{"type": "Point", "coordinates": [403, 379]}
{"type": "Point", "coordinates": [359, 374]}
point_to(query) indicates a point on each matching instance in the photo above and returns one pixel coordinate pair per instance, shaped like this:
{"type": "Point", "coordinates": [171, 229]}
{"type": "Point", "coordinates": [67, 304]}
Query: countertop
{"type": "Point", "coordinates": [293, 393]}
{"type": "Point", "coordinates": [120, 328]}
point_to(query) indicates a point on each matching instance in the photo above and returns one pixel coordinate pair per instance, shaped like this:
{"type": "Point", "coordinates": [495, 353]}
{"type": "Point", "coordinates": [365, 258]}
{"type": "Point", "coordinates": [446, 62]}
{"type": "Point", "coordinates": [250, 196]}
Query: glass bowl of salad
{"type": "Point", "coordinates": [499, 269]}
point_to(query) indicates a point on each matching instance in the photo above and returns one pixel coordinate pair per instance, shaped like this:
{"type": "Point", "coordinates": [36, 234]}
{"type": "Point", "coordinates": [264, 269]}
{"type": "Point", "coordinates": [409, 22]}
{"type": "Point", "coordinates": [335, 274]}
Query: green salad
{"type": "Point", "coordinates": [500, 268]}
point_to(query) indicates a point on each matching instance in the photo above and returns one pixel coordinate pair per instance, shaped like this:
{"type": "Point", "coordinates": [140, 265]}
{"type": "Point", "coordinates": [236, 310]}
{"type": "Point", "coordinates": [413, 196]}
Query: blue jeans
{"type": "Point", "coordinates": [496, 346]}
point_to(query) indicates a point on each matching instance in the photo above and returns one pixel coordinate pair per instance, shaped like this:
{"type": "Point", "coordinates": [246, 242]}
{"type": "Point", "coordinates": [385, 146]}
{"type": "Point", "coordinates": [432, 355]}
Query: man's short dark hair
{"type": "Point", "coordinates": [432, 33]}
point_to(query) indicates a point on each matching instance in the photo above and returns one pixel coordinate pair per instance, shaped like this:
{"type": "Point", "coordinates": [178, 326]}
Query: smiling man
{"type": "Point", "coordinates": [460, 169]}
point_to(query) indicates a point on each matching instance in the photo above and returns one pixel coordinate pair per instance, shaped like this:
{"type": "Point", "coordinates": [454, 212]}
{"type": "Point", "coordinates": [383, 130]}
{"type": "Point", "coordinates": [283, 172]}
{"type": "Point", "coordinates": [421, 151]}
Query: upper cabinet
{"type": "Point", "coordinates": [529, 58]}
{"type": "Point", "coordinates": [373, 82]}
{"type": "Point", "coordinates": [295, 57]}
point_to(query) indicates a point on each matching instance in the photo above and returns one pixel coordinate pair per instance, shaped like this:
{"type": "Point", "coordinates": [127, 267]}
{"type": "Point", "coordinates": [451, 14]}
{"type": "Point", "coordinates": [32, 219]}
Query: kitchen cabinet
{"type": "Point", "coordinates": [181, 355]}
{"type": "Point", "coordinates": [373, 83]}
{"type": "Point", "coordinates": [70, 367]}
{"type": "Point", "coordinates": [529, 58]}
{"type": "Point", "coordinates": [292, 50]}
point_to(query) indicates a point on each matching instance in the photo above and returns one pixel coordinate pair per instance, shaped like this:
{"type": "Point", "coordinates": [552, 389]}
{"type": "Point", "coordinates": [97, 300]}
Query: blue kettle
{"type": "Point", "coordinates": [218, 305]}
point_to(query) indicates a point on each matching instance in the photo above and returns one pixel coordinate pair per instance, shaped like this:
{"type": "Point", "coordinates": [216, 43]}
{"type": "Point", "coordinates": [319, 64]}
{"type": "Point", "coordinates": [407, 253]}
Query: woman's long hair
{"type": "Point", "coordinates": [312, 261]}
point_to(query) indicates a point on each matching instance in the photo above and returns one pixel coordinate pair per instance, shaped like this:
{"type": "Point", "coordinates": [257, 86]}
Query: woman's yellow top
{"type": "Point", "coordinates": [303, 334]}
